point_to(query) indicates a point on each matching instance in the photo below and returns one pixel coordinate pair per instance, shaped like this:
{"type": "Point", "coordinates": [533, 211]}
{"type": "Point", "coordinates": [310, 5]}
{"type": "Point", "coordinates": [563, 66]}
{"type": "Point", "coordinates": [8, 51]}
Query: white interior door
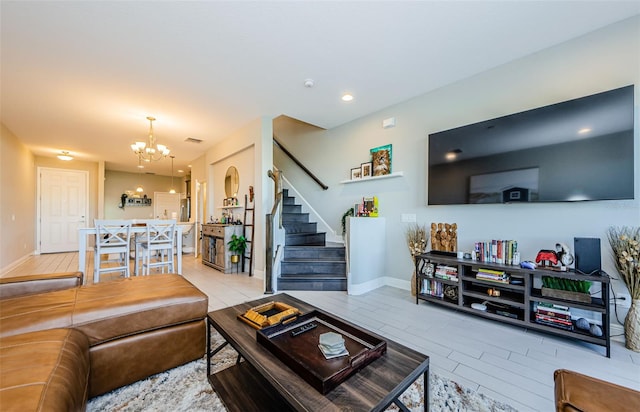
{"type": "Point", "coordinates": [63, 208]}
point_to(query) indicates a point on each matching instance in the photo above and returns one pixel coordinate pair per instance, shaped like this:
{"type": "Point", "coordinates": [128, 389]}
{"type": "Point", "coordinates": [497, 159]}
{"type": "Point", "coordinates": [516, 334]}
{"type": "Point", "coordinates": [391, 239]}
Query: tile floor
{"type": "Point", "coordinates": [508, 363]}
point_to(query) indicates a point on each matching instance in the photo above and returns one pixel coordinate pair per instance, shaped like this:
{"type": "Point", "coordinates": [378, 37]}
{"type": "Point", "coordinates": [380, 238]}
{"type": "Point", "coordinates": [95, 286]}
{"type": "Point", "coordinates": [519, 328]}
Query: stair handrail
{"type": "Point", "coordinates": [274, 235]}
{"type": "Point", "coordinates": [299, 163]}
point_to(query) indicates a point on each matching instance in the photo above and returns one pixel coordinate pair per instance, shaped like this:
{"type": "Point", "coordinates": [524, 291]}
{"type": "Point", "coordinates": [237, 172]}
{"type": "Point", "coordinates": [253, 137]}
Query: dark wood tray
{"type": "Point", "coordinates": [302, 354]}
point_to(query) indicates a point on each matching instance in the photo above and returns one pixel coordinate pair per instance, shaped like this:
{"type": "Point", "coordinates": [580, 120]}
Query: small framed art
{"type": "Point", "coordinates": [381, 160]}
{"type": "Point", "coordinates": [356, 173]}
{"type": "Point", "coordinates": [365, 169]}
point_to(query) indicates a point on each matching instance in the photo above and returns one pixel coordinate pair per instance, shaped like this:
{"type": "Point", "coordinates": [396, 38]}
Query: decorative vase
{"type": "Point", "coordinates": [413, 283]}
{"type": "Point", "coordinates": [632, 326]}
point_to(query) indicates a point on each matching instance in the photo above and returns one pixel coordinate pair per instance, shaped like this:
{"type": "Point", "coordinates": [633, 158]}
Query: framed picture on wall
{"type": "Point", "coordinates": [381, 160]}
{"type": "Point", "coordinates": [356, 173]}
{"type": "Point", "coordinates": [365, 169]}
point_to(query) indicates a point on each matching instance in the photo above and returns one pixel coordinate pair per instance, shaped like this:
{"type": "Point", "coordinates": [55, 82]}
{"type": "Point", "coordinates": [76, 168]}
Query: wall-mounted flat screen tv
{"type": "Point", "coordinates": [577, 150]}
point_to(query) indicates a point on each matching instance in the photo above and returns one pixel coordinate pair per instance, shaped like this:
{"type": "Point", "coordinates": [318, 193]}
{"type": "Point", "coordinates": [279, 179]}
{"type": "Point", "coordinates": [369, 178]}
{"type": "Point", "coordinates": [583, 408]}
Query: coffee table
{"type": "Point", "coordinates": [259, 381]}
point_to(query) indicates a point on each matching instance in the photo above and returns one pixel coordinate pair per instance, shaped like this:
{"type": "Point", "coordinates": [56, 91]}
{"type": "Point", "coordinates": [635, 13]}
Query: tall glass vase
{"type": "Point", "coordinates": [632, 326]}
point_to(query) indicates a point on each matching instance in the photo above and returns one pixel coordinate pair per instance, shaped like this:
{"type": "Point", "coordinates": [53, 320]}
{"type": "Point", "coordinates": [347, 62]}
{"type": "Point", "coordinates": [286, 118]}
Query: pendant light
{"type": "Point", "coordinates": [150, 150]}
{"type": "Point", "coordinates": [140, 189]}
{"type": "Point", "coordinates": [172, 189]}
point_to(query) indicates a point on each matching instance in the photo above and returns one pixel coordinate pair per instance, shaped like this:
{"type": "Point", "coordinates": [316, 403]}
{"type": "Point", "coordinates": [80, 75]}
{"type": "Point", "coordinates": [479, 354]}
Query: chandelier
{"type": "Point", "coordinates": [150, 150]}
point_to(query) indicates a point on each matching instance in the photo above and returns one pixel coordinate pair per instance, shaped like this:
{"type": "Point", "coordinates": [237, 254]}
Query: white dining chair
{"type": "Point", "coordinates": [112, 238]}
{"type": "Point", "coordinates": [156, 247]}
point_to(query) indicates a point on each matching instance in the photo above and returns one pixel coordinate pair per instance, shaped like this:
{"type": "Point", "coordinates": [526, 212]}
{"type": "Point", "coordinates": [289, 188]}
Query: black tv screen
{"type": "Point", "coordinates": [577, 150]}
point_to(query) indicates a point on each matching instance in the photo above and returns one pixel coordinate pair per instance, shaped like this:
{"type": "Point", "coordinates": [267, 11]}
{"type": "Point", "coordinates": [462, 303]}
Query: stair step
{"type": "Point", "coordinates": [300, 227]}
{"type": "Point", "coordinates": [295, 217]}
{"type": "Point", "coordinates": [291, 208]}
{"type": "Point", "coordinates": [306, 267]}
{"type": "Point", "coordinates": [300, 239]}
{"type": "Point", "coordinates": [317, 283]}
{"type": "Point", "coordinates": [314, 252]}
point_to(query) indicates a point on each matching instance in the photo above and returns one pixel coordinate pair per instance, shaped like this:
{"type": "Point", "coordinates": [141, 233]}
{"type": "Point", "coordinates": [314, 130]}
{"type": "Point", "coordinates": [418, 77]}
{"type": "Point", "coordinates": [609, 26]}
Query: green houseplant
{"type": "Point", "coordinates": [237, 246]}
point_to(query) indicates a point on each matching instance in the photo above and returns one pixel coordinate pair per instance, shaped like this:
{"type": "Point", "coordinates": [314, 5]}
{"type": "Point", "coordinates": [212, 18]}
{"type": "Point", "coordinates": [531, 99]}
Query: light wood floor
{"type": "Point", "coordinates": [507, 363]}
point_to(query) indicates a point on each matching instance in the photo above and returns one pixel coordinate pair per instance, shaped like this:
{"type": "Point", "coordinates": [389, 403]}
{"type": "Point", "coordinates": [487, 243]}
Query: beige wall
{"type": "Point", "coordinates": [17, 200]}
{"type": "Point", "coordinates": [117, 183]}
{"type": "Point", "coordinates": [254, 139]}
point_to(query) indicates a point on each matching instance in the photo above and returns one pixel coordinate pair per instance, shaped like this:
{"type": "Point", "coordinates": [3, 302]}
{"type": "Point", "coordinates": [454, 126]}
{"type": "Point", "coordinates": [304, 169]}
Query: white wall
{"type": "Point", "coordinates": [255, 138]}
{"type": "Point", "coordinates": [243, 161]}
{"type": "Point", "coordinates": [603, 60]}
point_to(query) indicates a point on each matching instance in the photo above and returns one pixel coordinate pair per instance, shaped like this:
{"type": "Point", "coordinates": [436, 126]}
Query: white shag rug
{"type": "Point", "coordinates": [186, 388]}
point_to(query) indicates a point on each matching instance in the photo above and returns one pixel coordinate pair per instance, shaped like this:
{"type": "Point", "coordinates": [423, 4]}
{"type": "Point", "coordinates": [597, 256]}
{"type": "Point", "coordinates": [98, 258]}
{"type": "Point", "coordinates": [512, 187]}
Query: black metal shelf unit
{"type": "Point", "coordinates": [511, 301]}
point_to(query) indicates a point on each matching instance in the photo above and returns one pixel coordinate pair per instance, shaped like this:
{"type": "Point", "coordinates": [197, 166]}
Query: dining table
{"type": "Point", "coordinates": [138, 226]}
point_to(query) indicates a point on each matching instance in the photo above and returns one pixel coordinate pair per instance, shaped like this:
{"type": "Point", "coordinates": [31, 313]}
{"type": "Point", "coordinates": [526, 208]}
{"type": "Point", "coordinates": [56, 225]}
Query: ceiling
{"type": "Point", "coordinates": [83, 76]}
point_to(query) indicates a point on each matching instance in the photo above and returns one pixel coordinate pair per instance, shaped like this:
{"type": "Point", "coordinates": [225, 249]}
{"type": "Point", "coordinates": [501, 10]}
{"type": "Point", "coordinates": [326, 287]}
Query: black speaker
{"type": "Point", "coordinates": [587, 255]}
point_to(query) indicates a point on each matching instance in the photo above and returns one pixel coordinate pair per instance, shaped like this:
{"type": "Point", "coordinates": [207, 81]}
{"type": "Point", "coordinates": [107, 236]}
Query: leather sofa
{"type": "Point", "coordinates": [577, 392]}
{"type": "Point", "coordinates": [62, 343]}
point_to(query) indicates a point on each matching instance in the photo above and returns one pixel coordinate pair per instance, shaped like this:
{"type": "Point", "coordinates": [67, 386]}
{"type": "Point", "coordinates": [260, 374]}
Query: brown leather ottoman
{"type": "Point", "coordinates": [135, 327]}
{"type": "Point", "coordinates": [44, 371]}
{"type": "Point", "coordinates": [578, 392]}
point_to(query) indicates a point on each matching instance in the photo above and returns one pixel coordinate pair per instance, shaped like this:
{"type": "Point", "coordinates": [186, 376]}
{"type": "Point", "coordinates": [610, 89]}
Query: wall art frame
{"type": "Point", "coordinates": [366, 170]}
{"type": "Point", "coordinates": [381, 158]}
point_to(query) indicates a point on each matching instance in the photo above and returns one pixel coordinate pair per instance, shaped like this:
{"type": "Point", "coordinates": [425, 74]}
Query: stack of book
{"type": "Point", "coordinates": [496, 251]}
{"type": "Point", "coordinates": [446, 272]}
{"type": "Point", "coordinates": [492, 275]}
{"type": "Point", "coordinates": [432, 288]}
{"type": "Point", "coordinates": [554, 315]}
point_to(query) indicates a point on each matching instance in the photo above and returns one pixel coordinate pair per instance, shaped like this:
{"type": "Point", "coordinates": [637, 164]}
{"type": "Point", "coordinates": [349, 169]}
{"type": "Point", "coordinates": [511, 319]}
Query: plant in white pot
{"type": "Point", "coordinates": [625, 242]}
{"type": "Point", "coordinates": [237, 246]}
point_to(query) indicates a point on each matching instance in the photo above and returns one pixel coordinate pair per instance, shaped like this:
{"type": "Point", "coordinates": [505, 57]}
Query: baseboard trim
{"type": "Point", "coordinates": [361, 288]}
{"type": "Point", "coordinates": [16, 263]}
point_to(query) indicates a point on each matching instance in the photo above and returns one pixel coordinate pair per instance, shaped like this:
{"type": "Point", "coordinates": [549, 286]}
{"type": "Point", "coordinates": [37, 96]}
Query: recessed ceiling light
{"type": "Point", "coordinates": [180, 171]}
{"type": "Point", "coordinates": [65, 156]}
{"type": "Point", "coordinates": [347, 97]}
{"type": "Point", "coordinates": [584, 130]}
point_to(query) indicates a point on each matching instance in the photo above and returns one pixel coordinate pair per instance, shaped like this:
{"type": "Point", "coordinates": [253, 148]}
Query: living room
{"type": "Point", "coordinates": [601, 60]}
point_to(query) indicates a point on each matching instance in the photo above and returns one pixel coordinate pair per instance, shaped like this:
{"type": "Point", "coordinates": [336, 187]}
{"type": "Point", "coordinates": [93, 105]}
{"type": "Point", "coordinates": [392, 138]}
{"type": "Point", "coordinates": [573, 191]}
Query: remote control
{"type": "Point", "coordinates": [302, 329]}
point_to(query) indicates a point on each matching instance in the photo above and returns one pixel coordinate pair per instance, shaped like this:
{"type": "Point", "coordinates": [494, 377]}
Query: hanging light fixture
{"type": "Point", "coordinates": [140, 189]}
{"type": "Point", "coordinates": [172, 189]}
{"type": "Point", "coordinates": [150, 150]}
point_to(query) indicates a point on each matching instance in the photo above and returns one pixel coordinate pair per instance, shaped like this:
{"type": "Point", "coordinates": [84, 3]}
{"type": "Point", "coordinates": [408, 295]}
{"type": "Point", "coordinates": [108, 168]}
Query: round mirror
{"type": "Point", "coordinates": [231, 182]}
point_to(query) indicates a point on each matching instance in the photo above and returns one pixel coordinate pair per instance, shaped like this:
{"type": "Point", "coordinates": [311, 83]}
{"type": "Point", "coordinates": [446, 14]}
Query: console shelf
{"type": "Point", "coordinates": [516, 303]}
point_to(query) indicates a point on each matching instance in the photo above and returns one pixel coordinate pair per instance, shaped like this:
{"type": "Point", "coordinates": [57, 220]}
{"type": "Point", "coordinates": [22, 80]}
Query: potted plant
{"type": "Point", "coordinates": [237, 246]}
{"type": "Point", "coordinates": [569, 289]}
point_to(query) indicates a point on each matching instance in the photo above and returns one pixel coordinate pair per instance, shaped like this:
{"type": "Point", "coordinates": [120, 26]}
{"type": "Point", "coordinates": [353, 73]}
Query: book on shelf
{"type": "Point", "coordinates": [553, 319]}
{"type": "Point", "coordinates": [446, 272]}
{"type": "Point", "coordinates": [547, 312]}
{"type": "Point", "coordinates": [553, 306]}
{"type": "Point", "coordinates": [496, 251]}
{"type": "Point", "coordinates": [432, 288]}
{"type": "Point", "coordinates": [492, 276]}
{"type": "Point", "coordinates": [554, 324]}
